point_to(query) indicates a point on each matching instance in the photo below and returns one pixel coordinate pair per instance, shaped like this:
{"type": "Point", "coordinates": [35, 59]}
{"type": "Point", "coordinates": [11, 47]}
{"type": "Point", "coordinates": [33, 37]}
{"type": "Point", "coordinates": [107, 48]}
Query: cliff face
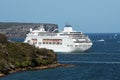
{"type": "Point", "coordinates": [19, 30]}
{"type": "Point", "coordinates": [16, 55]}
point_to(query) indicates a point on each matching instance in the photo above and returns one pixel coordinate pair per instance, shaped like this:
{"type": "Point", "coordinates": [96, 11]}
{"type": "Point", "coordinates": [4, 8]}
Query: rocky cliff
{"type": "Point", "coordinates": [19, 30]}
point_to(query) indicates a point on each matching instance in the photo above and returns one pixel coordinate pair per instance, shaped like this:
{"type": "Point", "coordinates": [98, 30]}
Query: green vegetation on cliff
{"type": "Point", "coordinates": [14, 55]}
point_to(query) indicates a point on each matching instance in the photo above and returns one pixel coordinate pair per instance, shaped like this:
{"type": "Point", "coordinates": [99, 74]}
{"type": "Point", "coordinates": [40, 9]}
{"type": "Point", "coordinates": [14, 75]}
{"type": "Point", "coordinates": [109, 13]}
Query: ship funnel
{"type": "Point", "coordinates": [68, 28]}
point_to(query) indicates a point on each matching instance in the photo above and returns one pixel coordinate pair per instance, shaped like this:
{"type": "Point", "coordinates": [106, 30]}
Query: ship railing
{"type": "Point", "coordinates": [47, 34]}
{"type": "Point", "coordinates": [82, 41]}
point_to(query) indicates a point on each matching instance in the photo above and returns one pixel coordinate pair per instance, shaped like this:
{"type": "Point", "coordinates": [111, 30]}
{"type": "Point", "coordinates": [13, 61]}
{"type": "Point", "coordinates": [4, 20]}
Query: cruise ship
{"type": "Point", "coordinates": [67, 40]}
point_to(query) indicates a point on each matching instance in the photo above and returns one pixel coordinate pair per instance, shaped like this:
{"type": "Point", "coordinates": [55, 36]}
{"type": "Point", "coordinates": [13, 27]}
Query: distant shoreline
{"type": "Point", "coordinates": [37, 68]}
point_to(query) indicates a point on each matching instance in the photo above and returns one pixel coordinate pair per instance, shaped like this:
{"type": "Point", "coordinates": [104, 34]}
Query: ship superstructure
{"type": "Point", "coordinates": [67, 40]}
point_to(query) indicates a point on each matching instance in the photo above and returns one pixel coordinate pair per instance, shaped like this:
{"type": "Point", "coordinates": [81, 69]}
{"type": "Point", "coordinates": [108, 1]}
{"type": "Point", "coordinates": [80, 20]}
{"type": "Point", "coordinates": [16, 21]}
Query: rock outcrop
{"type": "Point", "coordinates": [19, 30]}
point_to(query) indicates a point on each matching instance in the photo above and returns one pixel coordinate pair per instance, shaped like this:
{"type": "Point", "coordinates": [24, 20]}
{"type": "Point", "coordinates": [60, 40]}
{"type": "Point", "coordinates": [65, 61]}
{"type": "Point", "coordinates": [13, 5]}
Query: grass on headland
{"type": "Point", "coordinates": [15, 55]}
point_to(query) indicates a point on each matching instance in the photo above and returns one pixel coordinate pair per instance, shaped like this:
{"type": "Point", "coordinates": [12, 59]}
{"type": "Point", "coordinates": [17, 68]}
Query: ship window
{"type": "Point", "coordinates": [46, 42]}
{"type": "Point", "coordinates": [39, 42]}
{"type": "Point", "coordinates": [53, 42]}
{"type": "Point", "coordinates": [28, 41]}
{"type": "Point", "coordinates": [57, 42]}
{"type": "Point", "coordinates": [67, 45]}
{"type": "Point", "coordinates": [34, 41]}
{"type": "Point", "coordinates": [76, 46]}
{"type": "Point", "coordinates": [43, 42]}
{"type": "Point", "coordinates": [60, 43]}
{"type": "Point", "coordinates": [49, 42]}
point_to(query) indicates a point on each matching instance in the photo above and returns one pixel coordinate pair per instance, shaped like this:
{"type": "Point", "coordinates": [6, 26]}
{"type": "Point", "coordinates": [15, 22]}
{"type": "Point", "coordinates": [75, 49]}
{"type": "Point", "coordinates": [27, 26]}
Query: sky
{"type": "Point", "coordinates": [89, 16]}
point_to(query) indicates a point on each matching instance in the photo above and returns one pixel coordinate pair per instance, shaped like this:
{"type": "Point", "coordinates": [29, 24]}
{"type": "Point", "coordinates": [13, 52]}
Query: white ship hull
{"type": "Point", "coordinates": [61, 48]}
{"type": "Point", "coordinates": [66, 41]}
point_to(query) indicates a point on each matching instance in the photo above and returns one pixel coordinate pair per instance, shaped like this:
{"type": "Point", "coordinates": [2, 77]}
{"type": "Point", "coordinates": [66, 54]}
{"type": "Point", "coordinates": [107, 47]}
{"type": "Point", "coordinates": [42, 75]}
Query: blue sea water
{"type": "Point", "coordinates": [101, 62]}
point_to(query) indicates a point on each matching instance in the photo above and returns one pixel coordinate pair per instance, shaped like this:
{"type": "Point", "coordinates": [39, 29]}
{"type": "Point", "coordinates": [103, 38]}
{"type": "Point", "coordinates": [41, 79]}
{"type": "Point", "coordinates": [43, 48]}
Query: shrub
{"type": "Point", "coordinates": [3, 38]}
